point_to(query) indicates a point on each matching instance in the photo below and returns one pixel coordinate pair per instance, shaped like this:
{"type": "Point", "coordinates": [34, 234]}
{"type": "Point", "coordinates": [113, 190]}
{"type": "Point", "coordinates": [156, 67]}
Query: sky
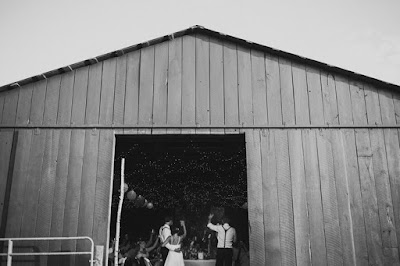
{"type": "Point", "coordinates": [362, 36]}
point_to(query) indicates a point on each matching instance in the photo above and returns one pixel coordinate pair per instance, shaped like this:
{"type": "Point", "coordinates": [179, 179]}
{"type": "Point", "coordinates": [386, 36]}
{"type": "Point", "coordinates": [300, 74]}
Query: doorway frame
{"type": "Point", "coordinates": [171, 131]}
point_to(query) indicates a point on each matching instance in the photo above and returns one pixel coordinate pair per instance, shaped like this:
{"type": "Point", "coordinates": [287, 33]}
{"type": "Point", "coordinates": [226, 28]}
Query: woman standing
{"type": "Point", "coordinates": [176, 258]}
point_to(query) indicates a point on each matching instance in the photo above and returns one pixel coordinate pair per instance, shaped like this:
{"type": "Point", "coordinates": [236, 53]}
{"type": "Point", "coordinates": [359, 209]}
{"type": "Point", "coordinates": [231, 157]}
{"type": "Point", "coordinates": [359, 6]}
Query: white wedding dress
{"type": "Point", "coordinates": [175, 258]}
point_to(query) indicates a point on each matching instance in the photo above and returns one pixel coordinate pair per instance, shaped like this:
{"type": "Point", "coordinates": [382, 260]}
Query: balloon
{"type": "Point", "coordinates": [145, 203]}
{"type": "Point", "coordinates": [126, 187]}
{"type": "Point", "coordinates": [149, 205]}
{"type": "Point", "coordinates": [139, 201]}
{"type": "Point", "coordinates": [131, 195]}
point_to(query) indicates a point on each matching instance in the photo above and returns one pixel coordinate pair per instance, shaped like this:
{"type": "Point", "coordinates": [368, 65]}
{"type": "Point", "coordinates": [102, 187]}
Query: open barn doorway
{"type": "Point", "coordinates": [186, 177]}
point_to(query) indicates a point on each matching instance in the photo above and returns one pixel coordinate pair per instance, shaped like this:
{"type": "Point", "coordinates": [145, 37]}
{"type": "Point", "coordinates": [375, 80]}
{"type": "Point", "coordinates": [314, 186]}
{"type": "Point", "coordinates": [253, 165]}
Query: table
{"type": "Point", "coordinates": [199, 262]}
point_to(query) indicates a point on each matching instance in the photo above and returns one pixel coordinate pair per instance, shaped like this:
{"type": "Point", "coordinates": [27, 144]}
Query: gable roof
{"type": "Point", "coordinates": [201, 30]}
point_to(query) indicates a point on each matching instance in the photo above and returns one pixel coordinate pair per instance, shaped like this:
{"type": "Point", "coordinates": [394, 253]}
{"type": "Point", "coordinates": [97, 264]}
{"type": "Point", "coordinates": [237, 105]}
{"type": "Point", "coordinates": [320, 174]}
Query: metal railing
{"type": "Point", "coordinates": [10, 254]}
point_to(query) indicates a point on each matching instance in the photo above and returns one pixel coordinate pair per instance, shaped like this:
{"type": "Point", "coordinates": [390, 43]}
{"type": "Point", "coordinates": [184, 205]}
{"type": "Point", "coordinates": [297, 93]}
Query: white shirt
{"type": "Point", "coordinates": [165, 232]}
{"type": "Point", "coordinates": [226, 234]}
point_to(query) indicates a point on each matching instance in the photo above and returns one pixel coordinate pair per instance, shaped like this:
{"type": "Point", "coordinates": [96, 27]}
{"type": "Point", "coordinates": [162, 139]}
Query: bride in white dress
{"type": "Point", "coordinates": [176, 258]}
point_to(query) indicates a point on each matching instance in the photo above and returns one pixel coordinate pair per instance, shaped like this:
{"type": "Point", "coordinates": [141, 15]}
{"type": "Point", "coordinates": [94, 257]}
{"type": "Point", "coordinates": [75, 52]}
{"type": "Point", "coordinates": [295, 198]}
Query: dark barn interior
{"type": "Point", "coordinates": [185, 176]}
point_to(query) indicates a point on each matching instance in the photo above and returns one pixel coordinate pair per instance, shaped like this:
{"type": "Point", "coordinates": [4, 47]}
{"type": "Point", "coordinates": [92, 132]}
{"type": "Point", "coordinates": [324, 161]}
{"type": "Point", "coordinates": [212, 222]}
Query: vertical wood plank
{"type": "Point", "coordinates": [358, 103]}
{"type": "Point", "coordinates": [130, 131]}
{"type": "Point", "coordinates": [396, 102]}
{"type": "Point", "coordinates": [369, 198]}
{"type": "Point", "coordinates": [270, 199]}
{"type": "Point", "coordinates": [393, 159]}
{"type": "Point", "coordinates": [302, 109]}
{"type": "Point", "coordinates": [188, 131]}
{"type": "Point", "coordinates": [217, 131]}
{"type": "Point", "coordinates": [391, 256]}
{"type": "Point", "coordinates": [372, 105]}
{"type": "Point", "coordinates": [79, 97]}
{"type": "Point", "coordinates": [24, 104]}
{"type": "Point", "coordinates": [60, 189]}
{"type": "Point", "coordinates": [144, 131]}
{"type": "Point", "coordinates": [93, 94]}
{"type": "Point", "coordinates": [231, 100]}
{"type": "Point", "coordinates": [232, 131]}
{"type": "Point", "coordinates": [72, 198]}
{"type": "Point", "coordinates": [202, 131]}
{"type": "Point", "coordinates": [174, 112]}
{"type": "Point", "coordinates": [387, 107]}
{"type": "Point", "coordinates": [19, 179]}
{"type": "Point", "coordinates": [216, 83]}
{"type": "Point", "coordinates": [158, 131]}
{"type": "Point", "coordinates": [329, 100]}
{"type": "Point", "coordinates": [329, 199]}
{"type": "Point", "coordinates": [313, 191]}
{"type": "Point", "coordinates": [42, 246]}
{"type": "Point", "coordinates": [161, 131]}
{"type": "Point", "coordinates": [344, 101]}
{"type": "Point", "coordinates": [6, 141]}
{"type": "Point", "coordinates": [344, 198]}
{"type": "Point", "coordinates": [313, 78]}
{"type": "Point", "coordinates": [103, 186]}
{"type": "Point", "coordinates": [255, 197]}
{"type": "Point", "coordinates": [2, 98]}
{"type": "Point", "coordinates": [285, 203]}
{"type": "Point", "coordinates": [274, 102]}
{"type": "Point", "coordinates": [120, 87]}
{"type": "Point", "coordinates": [146, 81]}
{"type": "Point", "coordinates": [32, 185]}
{"type": "Point", "coordinates": [38, 98]}
{"type": "Point", "coordinates": [259, 88]}
{"type": "Point", "coordinates": [51, 102]}
{"type": "Point", "coordinates": [244, 87]}
{"type": "Point", "coordinates": [287, 93]}
{"type": "Point", "coordinates": [88, 187]}
{"type": "Point", "coordinates": [9, 108]}
{"type": "Point", "coordinates": [202, 80]}
{"type": "Point", "coordinates": [107, 92]}
{"type": "Point", "coordinates": [356, 203]}
{"type": "Point", "coordinates": [300, 208]}
{"type": "Point", "coordinates": [132, 89]}
{"type": "Point", "coordinates": [65, 102]}
{"type": "Point", "coordinates": [160, 84]}
{"type": "Point", "coordinates": [174, 95]}
{"type": "Point", "coordinates": [188, 80]}
{"type": "Point", "coordinates": [46, 192]}
{"type": "Point", "coordinates": [383, 192]}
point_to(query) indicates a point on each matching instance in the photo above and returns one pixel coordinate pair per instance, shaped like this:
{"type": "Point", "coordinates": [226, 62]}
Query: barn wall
{"type": "Point", "coordinates": [311, 191]}
{"type": "Point", "coordinates": [60, 186]}
{"type": "Point", "coordinates": [326, 197]}
{"type": "Point", "coordinates": [6, 140]}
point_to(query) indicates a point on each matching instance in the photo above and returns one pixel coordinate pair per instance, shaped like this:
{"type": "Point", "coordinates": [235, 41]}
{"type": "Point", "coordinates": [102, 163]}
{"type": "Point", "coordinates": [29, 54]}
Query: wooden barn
{"type": "Point", "coordinates": [322, 144]}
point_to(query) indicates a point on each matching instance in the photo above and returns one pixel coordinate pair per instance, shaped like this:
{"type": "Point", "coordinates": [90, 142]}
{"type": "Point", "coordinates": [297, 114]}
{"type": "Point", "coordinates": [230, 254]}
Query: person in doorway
{"type": "Point", "coordinates": [226, 236]}
{"type": "Point", "coordinates": [165, 238]}
{"type": "Point", "coordinates": [143, 254]}
{"type": "Point", "coordinates": [176, 258]}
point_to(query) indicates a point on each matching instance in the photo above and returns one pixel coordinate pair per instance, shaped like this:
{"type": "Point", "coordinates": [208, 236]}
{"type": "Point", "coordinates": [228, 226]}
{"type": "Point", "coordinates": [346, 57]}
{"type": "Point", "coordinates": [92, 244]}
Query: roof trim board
{"type": "Point", "coordinates": [201, 30]}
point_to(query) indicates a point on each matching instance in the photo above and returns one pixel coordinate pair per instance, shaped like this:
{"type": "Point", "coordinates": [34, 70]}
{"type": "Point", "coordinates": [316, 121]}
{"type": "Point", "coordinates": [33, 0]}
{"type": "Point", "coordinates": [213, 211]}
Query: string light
{"type": "Point", "coordinates": [169, 178]}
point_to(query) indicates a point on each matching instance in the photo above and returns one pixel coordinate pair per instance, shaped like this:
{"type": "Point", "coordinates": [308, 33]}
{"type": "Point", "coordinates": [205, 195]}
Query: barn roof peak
{"type": "Point", "coordinates": [198, 29]}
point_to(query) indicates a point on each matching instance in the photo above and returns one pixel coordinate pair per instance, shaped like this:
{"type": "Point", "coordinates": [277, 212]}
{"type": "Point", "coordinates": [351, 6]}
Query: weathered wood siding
{"type": "Point", "coordinates": [198, 81]}
{"type": "Point", "coordinates": [327, 196]}
{"type": "Point", "coordinates": [320, 195]}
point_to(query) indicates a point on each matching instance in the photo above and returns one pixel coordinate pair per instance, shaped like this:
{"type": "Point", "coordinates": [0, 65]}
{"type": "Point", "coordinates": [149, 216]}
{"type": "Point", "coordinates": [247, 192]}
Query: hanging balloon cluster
{"type": "Point", "coordinates": [139, 201]}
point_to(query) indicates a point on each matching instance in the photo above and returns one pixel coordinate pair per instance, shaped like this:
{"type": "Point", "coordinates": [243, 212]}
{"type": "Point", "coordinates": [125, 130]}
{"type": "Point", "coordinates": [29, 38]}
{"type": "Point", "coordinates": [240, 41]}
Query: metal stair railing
{"type": "Point", "coordinates": [10, 254]}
